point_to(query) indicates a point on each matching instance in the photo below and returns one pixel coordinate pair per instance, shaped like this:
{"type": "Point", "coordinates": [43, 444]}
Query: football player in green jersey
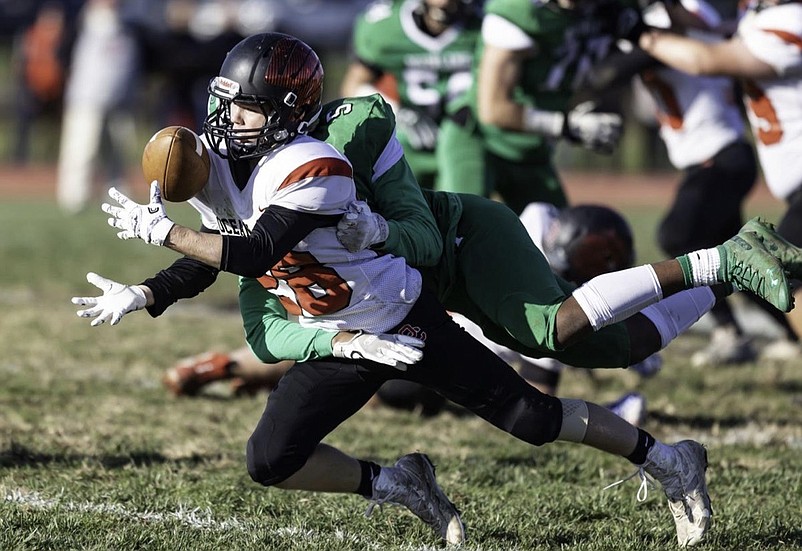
{"type": "Point", "coordinates": [482, 264]}
{"type": "Point", "coordinates": [532, 57]}
{"type": "Point", "coordinates": [418, 54]}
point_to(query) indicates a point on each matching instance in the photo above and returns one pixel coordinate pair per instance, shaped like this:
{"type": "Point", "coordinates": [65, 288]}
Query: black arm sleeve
{"type": "Point", "coordinates": [276, 232]}
{"type": "Point", "coordinates": [185, 278]}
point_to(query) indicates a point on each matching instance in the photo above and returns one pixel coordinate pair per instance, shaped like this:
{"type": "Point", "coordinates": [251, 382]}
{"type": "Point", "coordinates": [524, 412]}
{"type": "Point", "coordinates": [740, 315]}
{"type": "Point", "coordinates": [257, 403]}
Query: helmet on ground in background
{"type": "Point", "coordinates": [588, 240]}
{"type": "Point", "coordinates": [272, 72]}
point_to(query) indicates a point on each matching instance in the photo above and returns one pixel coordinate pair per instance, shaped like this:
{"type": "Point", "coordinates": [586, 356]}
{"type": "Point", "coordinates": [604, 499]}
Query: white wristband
{"type": "Point", "coordinates": [705, 264]}
{"type": "Point", "coordinates": [158, 234]}
{"type": "Point", "coordinates": [547, 123]}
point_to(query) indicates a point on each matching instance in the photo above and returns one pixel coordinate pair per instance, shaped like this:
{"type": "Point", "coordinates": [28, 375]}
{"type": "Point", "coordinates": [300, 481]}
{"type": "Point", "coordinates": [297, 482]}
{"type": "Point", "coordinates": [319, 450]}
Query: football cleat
{"type": "Point", "coordinates": [682, 475]}
{"type": "Point", "coordinates": [781, 350]}
{"type": "Point", "coordinates": [411, 482]}
{"type": "Point", "coordinates": [630, 407]}
{"type": "Point", "coordinates": [747, 263]}
{"type": "Point", "coordinates": [190, 375]}
{"type": "Point", "coordinates": [789, 254]}
{"type": "Point", "coordinates": [726, 347]}
{"type": "Point", "coordinates": [649, 367]}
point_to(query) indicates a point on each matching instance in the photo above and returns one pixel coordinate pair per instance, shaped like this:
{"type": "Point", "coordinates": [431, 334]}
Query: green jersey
{"type": "Point", "coordinates": [363, 130]}
{"type": "Point", "coordinates": [446, 236]}
{"type": "Point", "coordinates": [429, 71]}
{"type": "Point", "coordinates": [566, 44]}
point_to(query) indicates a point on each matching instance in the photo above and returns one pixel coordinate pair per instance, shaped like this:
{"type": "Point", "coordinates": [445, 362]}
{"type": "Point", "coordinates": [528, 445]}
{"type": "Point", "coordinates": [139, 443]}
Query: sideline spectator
{"type": "Point", "coordinates": [97, 106]}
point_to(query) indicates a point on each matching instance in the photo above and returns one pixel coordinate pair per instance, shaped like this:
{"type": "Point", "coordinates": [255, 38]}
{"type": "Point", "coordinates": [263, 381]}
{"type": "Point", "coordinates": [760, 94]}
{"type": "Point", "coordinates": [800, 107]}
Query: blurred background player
{"type": "Point", "coordinates": [98, 122]}
{"type": "Point", "coordinates": [531, 58]}
{"type": "Point", "coordinates": [702, 128]}
{"type": "Point", "coordinates": [703, 131]}
{"type": "Point", "coordinates": [418, 54]}
{"type": "Point", "coordinates": [39, 59]}
{"type": "Point", "coordinates": [765, 55]}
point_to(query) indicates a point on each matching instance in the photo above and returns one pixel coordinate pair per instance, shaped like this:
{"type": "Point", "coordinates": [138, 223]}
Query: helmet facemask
{"type": "Point", "coordinates": [264, 73]}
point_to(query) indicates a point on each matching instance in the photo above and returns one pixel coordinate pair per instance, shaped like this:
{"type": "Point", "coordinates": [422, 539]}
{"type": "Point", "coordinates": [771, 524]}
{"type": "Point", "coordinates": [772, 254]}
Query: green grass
{"type": "Point", "coordinates": [94, 454]}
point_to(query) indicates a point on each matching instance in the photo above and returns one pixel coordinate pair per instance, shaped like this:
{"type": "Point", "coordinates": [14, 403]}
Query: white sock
{"type": "Point", "coordinates": [673, 315]}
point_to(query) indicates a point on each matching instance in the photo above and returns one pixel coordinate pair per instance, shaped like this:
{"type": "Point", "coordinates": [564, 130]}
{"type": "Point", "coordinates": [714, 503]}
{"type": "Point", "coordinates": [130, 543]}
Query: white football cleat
{"type": "Point", "coordinates": [726, 347]}
{"type": "Point", "coordinates": [411, 482]}
{"type": "Point", "coordinates": [680, 469]}
{"type": "Point", "coordinates": [630, 407]}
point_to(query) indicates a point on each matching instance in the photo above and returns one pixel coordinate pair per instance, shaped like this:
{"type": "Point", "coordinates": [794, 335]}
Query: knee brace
{"type": "Point", "coordinates": [268, 465]}
{"type": "Point", "coordinates": [533, 420]}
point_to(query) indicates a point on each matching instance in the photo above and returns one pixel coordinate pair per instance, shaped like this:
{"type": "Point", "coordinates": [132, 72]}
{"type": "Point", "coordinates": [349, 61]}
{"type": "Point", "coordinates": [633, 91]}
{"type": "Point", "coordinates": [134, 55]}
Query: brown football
{"type": "Point", "coordinates": [178, 160]}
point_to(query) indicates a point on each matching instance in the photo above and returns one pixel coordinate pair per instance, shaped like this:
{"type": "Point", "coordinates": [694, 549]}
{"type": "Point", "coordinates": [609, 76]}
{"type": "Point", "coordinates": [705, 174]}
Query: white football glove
{"type": "Point", "coordinates": [597, 131]}
{"type": "Point", "coordinates": [116, 301]}
{"type": "Point", "coordinates": [419, 128]}
{"type": "Point", "coordinates": [147, 222]}
{"type": "Point", "coordinates": [396, 350]}
{"type": "Point", "coordinates": [359, 228]}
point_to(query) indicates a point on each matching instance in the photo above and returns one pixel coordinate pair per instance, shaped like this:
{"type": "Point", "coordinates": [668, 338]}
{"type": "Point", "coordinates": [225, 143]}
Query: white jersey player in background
{"type": "Point", "coordinates": [766, 55]}
{"type": "Point", "coordinates": [703, 130]}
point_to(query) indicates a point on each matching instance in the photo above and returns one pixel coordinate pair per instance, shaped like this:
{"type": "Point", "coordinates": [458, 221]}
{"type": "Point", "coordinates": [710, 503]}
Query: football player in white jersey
{"type": "Point", "coordinates": [703, 130]}
{"type": "Point", "coordinates": [766, 55]}
{"type": "Point", "coordinates": [269, 92]}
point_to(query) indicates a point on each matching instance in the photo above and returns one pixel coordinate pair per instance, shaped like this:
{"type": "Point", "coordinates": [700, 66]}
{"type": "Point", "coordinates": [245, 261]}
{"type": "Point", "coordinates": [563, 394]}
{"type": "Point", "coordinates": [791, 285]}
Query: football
{"type": "Point", "coordinates": [178, 160]}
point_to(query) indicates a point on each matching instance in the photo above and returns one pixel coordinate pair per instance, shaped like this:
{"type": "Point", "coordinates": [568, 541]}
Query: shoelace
{"type": "Point", "coordinates": [390, 496]}
{"type": "Point", "coordinates": [643, 489]}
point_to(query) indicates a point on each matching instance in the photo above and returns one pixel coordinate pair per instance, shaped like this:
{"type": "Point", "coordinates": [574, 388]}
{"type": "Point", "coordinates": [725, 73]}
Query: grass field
{"type": "Point", "coordinates": [94, 454]}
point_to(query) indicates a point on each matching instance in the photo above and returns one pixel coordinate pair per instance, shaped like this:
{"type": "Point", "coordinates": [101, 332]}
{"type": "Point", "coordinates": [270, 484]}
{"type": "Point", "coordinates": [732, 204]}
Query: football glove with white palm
{"type": "Point", "coordinates": [359, 228]}
{"type": "Point", "coordinates": [597, 131]}
{"type": "Point", "coordinates": [395, 350]}
{"type": "Point", "coordinates": [146, 222]}
{"type": "Point", "coordinates": [116, 301]}
{"type": "Point", "coordinates": [418, 127]}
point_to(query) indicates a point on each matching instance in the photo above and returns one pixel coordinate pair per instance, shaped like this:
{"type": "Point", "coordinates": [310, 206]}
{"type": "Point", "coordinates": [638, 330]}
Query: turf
{"type": "Point", "coordinates": [95, 454]}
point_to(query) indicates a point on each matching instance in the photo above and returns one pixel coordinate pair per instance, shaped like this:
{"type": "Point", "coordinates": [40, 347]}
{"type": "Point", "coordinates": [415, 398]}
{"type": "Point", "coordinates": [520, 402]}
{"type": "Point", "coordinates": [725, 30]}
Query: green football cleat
{"type": "Point", "coordinates": [789, 255]}
{"type": "Point", "coordinates": [747, 263]}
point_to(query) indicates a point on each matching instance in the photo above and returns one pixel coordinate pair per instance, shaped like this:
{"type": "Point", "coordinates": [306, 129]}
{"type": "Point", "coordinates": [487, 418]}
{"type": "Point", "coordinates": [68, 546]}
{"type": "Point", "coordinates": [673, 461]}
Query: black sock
{"type": "Point", "coordinates": [370, 471]}
{"type": "Point", "coordinates": [645, 442]}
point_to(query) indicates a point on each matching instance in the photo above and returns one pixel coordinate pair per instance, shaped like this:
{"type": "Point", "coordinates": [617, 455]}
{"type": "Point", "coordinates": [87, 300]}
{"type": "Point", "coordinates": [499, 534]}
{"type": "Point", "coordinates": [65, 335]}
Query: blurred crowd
{"type": "Point", "coordinates": [89, 66]}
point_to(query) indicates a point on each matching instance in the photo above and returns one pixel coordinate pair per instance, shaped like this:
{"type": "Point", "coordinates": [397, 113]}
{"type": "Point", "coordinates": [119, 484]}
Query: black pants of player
{"type": "Point", "coordinates": [790, 226]}
{"type": "Point", "coordinates": [707, 207]}
{"type": "Point", "coordinates": [313, 398]}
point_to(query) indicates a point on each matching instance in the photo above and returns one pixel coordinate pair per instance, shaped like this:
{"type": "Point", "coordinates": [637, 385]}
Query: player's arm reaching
{"type": "Point", "coordinates": [728, 58]}
{"type": "Point", "coordinates": [273, 337]}
{"type": "Point", "coordinates": [363, 129]}
{"type": "Point", "coordinates": [187, 277]}
{"type": "Point", "coordinates": [506, 49]}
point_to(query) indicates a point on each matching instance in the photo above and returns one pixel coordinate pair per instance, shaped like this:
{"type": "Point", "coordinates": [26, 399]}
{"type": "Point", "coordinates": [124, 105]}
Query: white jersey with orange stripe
{"type": "Point", "coordinates": [319, 281]}
{"type": "Point", "coordinates": [698, 115]}
{"type": "Point", "coordinates": [774, 35]}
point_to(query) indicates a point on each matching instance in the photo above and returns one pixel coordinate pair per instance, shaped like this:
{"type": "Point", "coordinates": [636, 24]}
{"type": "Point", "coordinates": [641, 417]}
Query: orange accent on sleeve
{"type": "Point", "coordinates": [324, 166]}
{"type": "Point", "coordinates": [790, 38]}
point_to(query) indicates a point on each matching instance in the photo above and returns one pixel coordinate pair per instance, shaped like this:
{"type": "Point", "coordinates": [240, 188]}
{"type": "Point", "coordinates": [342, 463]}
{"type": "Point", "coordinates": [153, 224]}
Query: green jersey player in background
{"type": "Point", "coordinates": [532, 56]}
{"type": "Point", "coordinates": [418, 54]}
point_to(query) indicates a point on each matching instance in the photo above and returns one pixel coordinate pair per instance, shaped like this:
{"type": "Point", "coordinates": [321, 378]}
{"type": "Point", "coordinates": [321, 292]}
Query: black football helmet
{"type": "Point", "coordinates": [588, 240]}
{"type": "Point", "coordinates": [278, 74]}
